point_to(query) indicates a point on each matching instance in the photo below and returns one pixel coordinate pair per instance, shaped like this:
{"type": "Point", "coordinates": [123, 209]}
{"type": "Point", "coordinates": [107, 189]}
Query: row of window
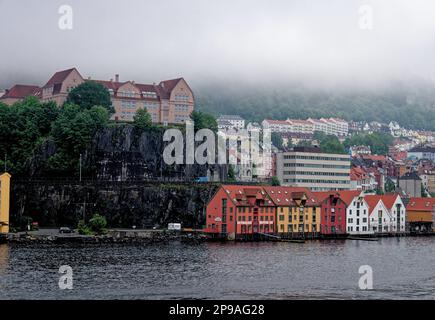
{"type": "Point", "coordinates": [320, 158]}
{"type": "Point", "coordinates": [350, 220]}
{"type": "Point", "coordinates": [182, 107]}
{"type": "Point", "coordinates": [316, 173]}
{"type": "Point", "coordinates": [181, 118]}
{"type": "Point", "coordinates": [298, 228]}
{"type": "Point", "coordinates": [249, 218]}
{"type": "Point", "coordinates": [249, 209]}
{"type": "Point", "coordinates": [292, 218]}
{"type": "Point", "coordinates": [182, 97]}
{"type": "Point", "coordinates": [317, 181]}
{"type": "Point", "coordinates": [323, 166]}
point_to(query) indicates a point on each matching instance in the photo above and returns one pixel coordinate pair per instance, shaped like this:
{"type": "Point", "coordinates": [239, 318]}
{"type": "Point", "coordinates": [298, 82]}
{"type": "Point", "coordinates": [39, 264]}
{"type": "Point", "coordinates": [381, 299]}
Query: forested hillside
{"type": "Point", "coordinates": [412, 107]}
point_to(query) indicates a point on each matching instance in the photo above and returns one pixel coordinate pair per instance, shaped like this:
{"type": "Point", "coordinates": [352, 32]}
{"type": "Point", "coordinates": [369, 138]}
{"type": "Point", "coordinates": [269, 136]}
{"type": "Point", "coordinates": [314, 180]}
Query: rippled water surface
{"type": "Point", "coordinates": [402, 268]}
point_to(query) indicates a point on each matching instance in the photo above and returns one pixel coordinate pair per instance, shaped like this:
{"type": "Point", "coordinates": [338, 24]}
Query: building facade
{"type": "Point", "coordinates": [239, 212]}
{"type": "Point", "coordinates": [231, 121]}
{"type": "Point", "coordinates": [333, 213]}
{"type": "Point", "coordinates": [297, 210]}
{"type": "Point", "coordinates": [387, 213]}
{"type": "Point", "coordinates": [170, 101]}
{"type": "Point", "coordinates": [310, 168]}
{"type": "Point", "coordinates": [331, 126]}
{"type": "Point", "coordinates": [357, 213]}
{"type": "Point", "coordinates": [5, 179]}
{"type": "Point", "coordinates": [397, 209]}
{"type": "Point", "coordinates": [420, 214]}
{"type": "Point", "coordinates": [410, 183]}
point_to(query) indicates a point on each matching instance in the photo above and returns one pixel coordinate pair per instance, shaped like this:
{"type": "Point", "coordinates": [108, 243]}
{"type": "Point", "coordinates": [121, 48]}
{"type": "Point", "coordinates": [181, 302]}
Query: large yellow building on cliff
{"type": "Point", "coordinates": [5, 182]}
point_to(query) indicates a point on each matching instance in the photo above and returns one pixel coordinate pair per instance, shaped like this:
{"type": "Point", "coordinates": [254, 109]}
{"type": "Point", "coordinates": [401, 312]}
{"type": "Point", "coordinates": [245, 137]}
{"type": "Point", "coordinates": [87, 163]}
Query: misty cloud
{"type": "Point", "coordinates": [318, 42]}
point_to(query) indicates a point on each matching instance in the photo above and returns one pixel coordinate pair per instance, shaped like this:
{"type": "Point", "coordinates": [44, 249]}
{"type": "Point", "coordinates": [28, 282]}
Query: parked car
{"type": "Point", "coordinates": [66, 230]}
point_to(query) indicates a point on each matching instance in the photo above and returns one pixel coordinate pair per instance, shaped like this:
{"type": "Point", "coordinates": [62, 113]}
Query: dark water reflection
{"type": "Point", "coordinates": [402, 268]}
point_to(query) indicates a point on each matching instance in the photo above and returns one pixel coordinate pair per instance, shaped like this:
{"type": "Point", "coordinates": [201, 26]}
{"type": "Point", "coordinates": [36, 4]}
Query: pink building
{"type": "Point", "coordinates": [170, 101]}
{"type": "Point", "coordinates": [18, 92]}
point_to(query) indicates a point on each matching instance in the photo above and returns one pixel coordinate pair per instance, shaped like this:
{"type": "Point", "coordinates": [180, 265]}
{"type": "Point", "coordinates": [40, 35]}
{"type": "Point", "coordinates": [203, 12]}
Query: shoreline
{"type": "Point", "coordinates": [152, 237]}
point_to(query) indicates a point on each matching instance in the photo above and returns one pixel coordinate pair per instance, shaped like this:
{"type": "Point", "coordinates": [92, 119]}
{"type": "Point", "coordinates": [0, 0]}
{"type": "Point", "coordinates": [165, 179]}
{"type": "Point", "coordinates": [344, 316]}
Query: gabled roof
{"type": "Point", "coordinates": [347, 196]}
{"type": "Point", "coordinates": [169, 85]}
{"type": "Point", "coordinates": [20, 91]}
{"type": "Point", "coordinates": [421, 204]}
{"type": "Point", "coordinates": [59, 77]}
{"type": "Point", "coordinates": [110, 84]}
{"type": "Point", "coordinates": [389, 200]}
{"type": "Point", "coordinates": [372, 201]}
{"type": "Point", "coordinates": [239, 194]}
{"type": "Point", "coordinates": [165, 87]}
{"type": "Point", "coordinates": [285, 196]}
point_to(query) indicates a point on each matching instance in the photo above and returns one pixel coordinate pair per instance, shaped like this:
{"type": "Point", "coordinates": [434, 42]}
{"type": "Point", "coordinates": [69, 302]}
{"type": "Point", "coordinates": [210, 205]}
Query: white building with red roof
{"type": "Point", "coordinates": [357, 212]}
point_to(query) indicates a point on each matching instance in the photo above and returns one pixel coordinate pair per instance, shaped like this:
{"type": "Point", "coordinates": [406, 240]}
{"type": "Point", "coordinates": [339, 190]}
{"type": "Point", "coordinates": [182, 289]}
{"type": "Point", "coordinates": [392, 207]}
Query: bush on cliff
{"type": "Point", "coordinates": [98, 224]}
{"type": "Point", "coordinates": [84, 229]}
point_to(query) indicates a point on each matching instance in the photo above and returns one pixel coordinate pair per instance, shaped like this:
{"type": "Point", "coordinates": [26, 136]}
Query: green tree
{"type": "Point", "coordinates": [277, 140]}
{"type": "Point", "coordinates": [231, 174]}
{"type": "Point", "coordinates": [378, 142]}
{"type": "Point", "coordinates": [90, 94]}
{"type": "Point", "coordinates": [389, 186]}
{"type": "Point", "coordinates": [329, 143]}
{"type": "Point", "coordinates": [23, 126]}
{"type": "Point", "coordinates": [204, 121]}
{"type": "Point", "coordinates": [98, 224]}
{"type": "Point", "coordinates": [142, 120]}
{"type": "Point", "coordinates": [73, 131]}
{"type": "Point", "coordinates": [379, 192]}
{"type": "Point", "coordinates": [275, 181]}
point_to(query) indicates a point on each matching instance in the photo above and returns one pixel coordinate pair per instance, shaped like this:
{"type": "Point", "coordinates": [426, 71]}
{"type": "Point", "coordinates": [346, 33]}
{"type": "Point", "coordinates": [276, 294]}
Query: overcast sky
{"type": "Point", "coordinates": [260, 41]}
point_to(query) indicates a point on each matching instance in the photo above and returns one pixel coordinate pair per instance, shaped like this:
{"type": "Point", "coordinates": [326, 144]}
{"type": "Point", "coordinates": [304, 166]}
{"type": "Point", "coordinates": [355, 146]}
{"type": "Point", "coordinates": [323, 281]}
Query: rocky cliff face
{"type": "Point", "coordinates": [124, 204]}
{"type": "Point", "coordinates": [124, 178]}
{"type": "Point", "coordinates": [123, 154]}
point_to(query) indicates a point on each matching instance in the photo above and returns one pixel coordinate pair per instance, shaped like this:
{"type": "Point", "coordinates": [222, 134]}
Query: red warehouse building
{"type": "Point", "coordinates": [333, 213]}
{"type": "Point", "coordinates": [240, 212]}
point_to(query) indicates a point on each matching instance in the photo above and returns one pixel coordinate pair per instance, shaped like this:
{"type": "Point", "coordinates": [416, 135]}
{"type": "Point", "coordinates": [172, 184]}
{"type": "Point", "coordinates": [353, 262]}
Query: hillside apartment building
{"type": "Point", "coordinates": [310, 168]}
{"type": "Point", "coordinates": [170, 101]}
{"type": "Point", "coordinates": [331, 126]}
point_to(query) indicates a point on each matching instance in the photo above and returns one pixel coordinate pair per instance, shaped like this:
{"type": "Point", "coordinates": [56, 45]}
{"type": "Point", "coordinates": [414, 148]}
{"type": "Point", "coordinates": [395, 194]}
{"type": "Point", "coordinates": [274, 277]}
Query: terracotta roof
{"type": "Point", "coordinates": [169, 85]}
{"type": "Point", "coordinates": [373, 157]}
{"type": "Point", "coordinates": [357, 173]}
{"type": "Point", "coordinates": [345, 196]}
{"type": "Point", "coordinates": [110, 84]}
{"type": "Point", "coordinates": [287, 195]}
{"type": "Point", "coordinates": [297, 121]}
{"type": "Point", "coordinates": [421, 204]}
{"type": "Point", "coordinates": [281, 122]}
{"type": "Point", "coordinates": [348, 195]}
{"type": "Point", "coordinates": [372, 201]}
{"type": "Point", "coordinates": [59, 77]}
{"type": "Point", "coordinates": [239, 194]}
{"type": "Point", "coordinates": [389, 200]}
{"type": "Point", "coordinates": [20, 91]}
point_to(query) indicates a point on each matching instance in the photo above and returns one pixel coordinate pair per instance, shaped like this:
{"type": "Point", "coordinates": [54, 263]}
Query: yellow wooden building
{"type": "Point", "coordinates": [5, 184]}
{"type": "Point", "coordinates": [298, 211]}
